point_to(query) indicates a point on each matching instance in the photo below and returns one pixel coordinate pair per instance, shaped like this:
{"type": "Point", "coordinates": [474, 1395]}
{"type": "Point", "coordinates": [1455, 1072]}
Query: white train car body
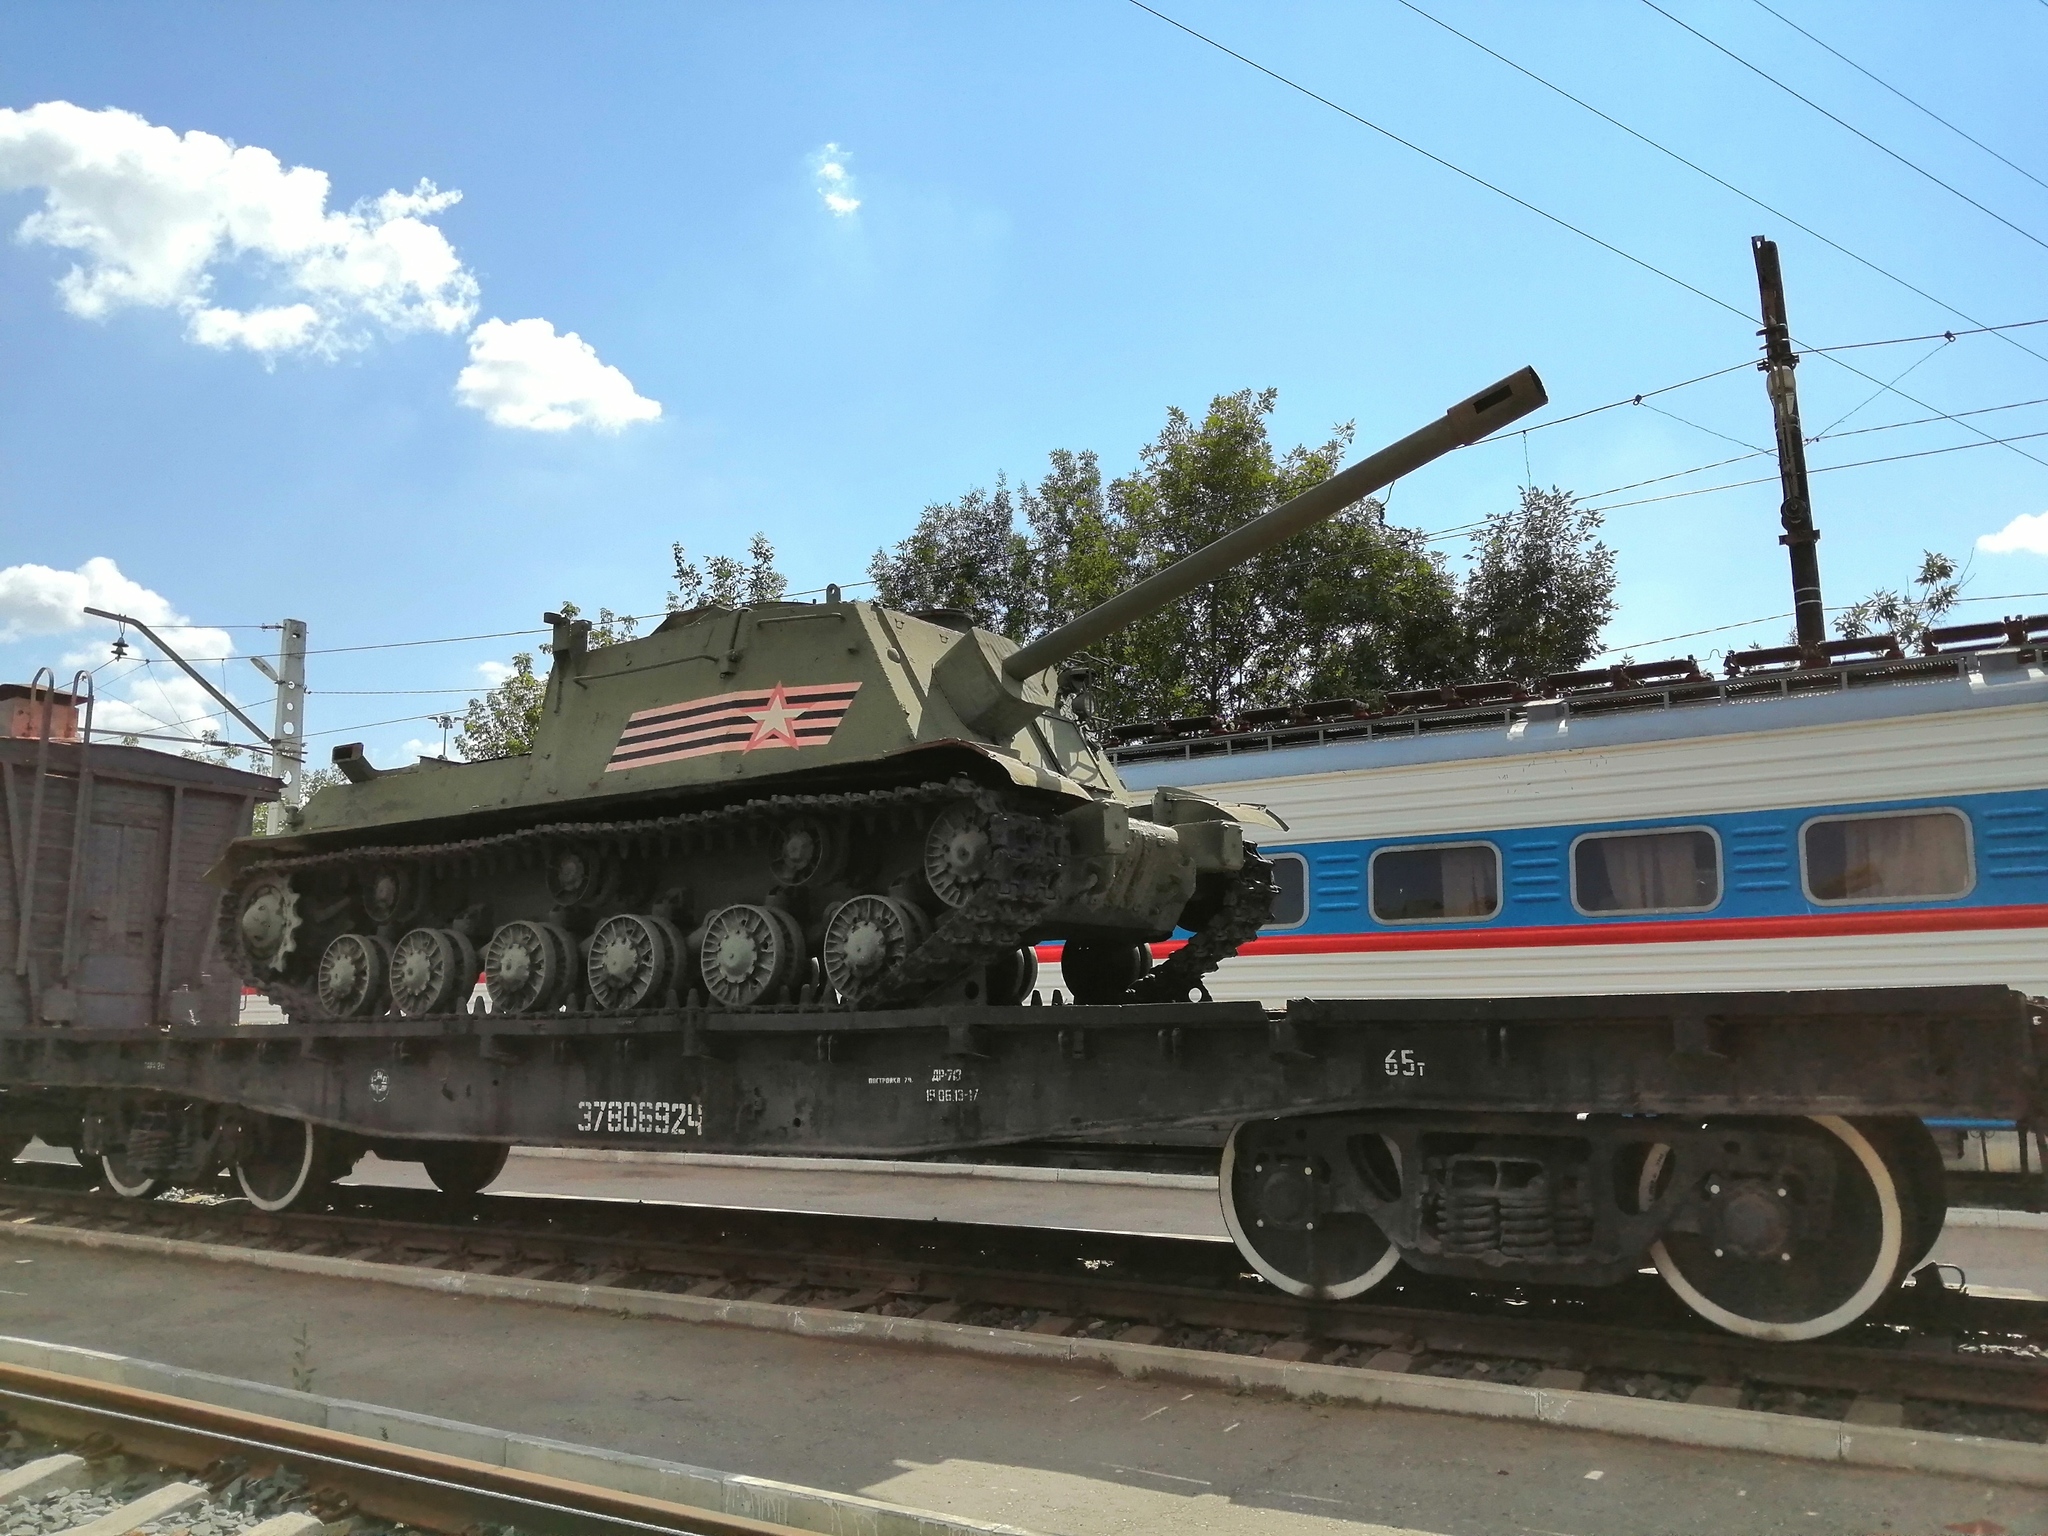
{"type": "Point", "coordinates": [1866, 827]}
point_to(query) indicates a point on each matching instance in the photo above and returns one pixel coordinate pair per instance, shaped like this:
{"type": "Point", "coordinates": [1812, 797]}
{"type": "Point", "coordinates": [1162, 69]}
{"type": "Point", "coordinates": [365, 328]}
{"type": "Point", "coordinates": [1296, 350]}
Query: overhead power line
{"type": "Point", "coordinates": [1918, 170]}
{"type": "Point", "coordinates": [1719, 181]}
{"type": "Point", "coordinates": [1477, 180]}
{"type": "Point", "coordinates": [1908, 100]}
{"type": "Point", "coordinates": [1770, 618]}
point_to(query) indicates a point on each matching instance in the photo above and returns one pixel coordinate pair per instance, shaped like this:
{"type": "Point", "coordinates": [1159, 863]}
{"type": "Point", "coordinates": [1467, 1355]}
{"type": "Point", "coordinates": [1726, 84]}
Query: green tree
{"type": "Point", "coordinates": [964, 554]}
{"type": "Point", "coordinates": [1933, 591]}
{"type": "Point", "coordinates": [1540, 590]}
{"type": "Point", "coordinates": [501, 723]}
{"type": "Point", "coordinates": [724, 582]}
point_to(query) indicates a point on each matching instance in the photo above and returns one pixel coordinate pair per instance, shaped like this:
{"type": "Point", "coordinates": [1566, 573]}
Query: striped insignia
{"type": "Point", "coordinates": [804, 716]}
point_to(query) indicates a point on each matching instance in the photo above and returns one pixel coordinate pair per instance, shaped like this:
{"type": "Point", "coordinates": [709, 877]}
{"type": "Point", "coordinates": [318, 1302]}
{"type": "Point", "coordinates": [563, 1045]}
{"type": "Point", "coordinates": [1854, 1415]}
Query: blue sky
{"type": "Point", "coordinates": [1070, 216]}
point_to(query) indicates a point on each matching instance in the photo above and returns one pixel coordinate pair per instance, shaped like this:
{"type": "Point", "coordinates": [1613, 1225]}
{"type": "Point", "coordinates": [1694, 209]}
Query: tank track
{"type": "Point", "coordinates": [1023, 884]}
{"type": "Point", "coordinates": [1247, 904]}
{"type": "Point", "coordinates": [1027, 855]}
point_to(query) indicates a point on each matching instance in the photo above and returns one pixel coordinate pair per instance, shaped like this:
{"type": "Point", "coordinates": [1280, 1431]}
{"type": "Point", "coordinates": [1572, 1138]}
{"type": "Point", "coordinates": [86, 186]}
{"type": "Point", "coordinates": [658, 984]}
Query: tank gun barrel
{"type": "Point", "coordinates": [1466, 422]}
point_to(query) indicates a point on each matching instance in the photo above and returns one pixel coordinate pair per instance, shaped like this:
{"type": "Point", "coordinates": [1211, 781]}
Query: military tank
{"type": "Point", "coordinates": [785, 803]}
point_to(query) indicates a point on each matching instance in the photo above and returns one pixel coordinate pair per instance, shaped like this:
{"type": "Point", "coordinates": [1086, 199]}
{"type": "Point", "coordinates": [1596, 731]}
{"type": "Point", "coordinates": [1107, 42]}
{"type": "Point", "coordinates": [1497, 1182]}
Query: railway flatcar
{"type": "Point", "coordinates": [1880, 820]}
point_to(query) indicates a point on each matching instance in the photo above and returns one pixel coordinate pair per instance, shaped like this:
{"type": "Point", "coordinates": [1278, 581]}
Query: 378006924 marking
{"type": "Point", "coordinates": [640, 1117]}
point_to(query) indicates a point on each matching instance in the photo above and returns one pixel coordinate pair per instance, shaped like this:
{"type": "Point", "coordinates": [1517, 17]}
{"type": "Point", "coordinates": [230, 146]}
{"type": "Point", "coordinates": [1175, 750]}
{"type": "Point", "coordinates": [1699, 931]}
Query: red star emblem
{"type": "Point", "coordinates": [776, 722]}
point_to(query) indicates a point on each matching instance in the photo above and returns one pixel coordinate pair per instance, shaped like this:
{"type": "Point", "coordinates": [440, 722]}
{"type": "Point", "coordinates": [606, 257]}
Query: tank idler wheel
{"type": "Point", "coordinates": [807, 851]}
{"type": "Point", "coordinates": [126, 1180]}
{"type": "Point", "coordinates": [432, 971]}
{"type": "Point", "coordinates": [957, 855]}
{"type": "Point", "coordinates": [269, 921]}
{"type": "Point", "coordinates": [463, 1168]}
{"type": "Point", "coordinates": [285, 1163]}
{"type": "Point", "coordinates": [1012, 978]}
{"type": "Point", "coordinates": [1272, 1184]}
{"type": "Point", "coordinates": [1750, 1275]}
{"type": "Point", "coordinates": [866, 939]}
{"type": "Point", "coordinates": [751, 954]}
{"type": "Point", "coordinates": [633, 960]}
{"type": "Point", "coordinates": [528, 967]}
{"type": "Point", "coordinates": [1099, 972]}
{"type": "Point", "coordinates": [354, 971]}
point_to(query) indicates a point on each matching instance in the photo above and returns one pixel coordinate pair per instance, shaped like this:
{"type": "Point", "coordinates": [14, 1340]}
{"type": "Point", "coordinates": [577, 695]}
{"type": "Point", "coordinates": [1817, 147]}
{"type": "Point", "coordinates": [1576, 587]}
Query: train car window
{"type": "Point", "coordinates": [1290, 891]}
{"type": "Point", "coordinates": [1437, 882]}
{"type": "Point", "coordinates": [1674, 869]}
{"type": "Point", "coordinates": [1890, 856]}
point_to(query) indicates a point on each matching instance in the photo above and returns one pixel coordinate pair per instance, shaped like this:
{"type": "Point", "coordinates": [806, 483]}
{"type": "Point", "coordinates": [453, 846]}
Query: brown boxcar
{"type": "Point", "coordinates": [106, 919]}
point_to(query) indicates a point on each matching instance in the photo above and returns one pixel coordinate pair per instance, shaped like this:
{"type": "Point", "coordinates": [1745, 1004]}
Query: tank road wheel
{"type": "Point", "coordinates": [1272, 1204]}
{"type": "Point", "coordinates": [1751, 1274]}
{"type": "Point", "coordinates": [125, 1179]}
{"type": "Point", "coordinates": [1012, 978]}
{"type": "Point", "coordinates": [633, 961]}
{"type": "Point", "coordinates": [432, 970]}
{"type": "Point", "coordinates": [528, 967]}
{"type": "Point", "coordinates": [463, 1168]}
{"type": "Point", "coordinates": [391, 894]}
{"type": "Point", "coordinates": [806, 852]}
{"type": "Point", "coordinates": [956, 854]}
{"type": "Point", "coordinates": [269, 921]}
{"type": "Point", "coordinates": [866, 939]}
{"type": "Point", "coordinates": [285, 1163]}
{"type": "Point", "coordinates": [750, 954]}
{"type": "Point", "coordinates": [1102, 973]}
{"type": "Point", "coordinates": [352, 977]}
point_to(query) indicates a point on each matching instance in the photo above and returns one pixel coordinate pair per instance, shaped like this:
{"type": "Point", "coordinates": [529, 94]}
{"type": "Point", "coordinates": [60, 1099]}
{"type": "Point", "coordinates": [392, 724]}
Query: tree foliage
{"type": "Point", "coordinates": [1934, 590]}
{"type": "Point", "coordinates": [1353, 607]}
{"type": "Point", "coordinates": [725, 582]}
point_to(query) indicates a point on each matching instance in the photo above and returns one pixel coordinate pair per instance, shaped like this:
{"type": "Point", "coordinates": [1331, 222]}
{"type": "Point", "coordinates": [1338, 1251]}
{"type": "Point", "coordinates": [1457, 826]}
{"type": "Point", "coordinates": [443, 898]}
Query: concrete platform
{"type": "Point", "coordinates": [1057, 1449]}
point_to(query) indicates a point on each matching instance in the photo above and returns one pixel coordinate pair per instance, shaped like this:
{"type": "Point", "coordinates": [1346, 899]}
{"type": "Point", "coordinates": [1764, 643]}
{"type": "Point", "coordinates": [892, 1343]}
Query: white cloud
{"type": "Point", "coordinates": [143, 692]}
{"type": "Point", "coordinates": [522, 374]}
{"type": "Point", "coordinates": [2028, 532]}
{"type": "Point", "coordinates": [493, 672]}
{"type": "Point", "coordinates": [834, 181]}
{"type": "Point", "coordinates": [156, 217]}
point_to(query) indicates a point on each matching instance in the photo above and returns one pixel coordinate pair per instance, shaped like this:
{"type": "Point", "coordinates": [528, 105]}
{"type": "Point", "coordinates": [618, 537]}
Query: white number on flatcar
{"type": "Point", "coordinates": [1403, 1063]}
{"type": "Point", "coordinates": [640, 1117]}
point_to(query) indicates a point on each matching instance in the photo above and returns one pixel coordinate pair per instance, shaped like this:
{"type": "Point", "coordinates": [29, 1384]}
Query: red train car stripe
{"type": "Point", "coordinates": [1814, 925]}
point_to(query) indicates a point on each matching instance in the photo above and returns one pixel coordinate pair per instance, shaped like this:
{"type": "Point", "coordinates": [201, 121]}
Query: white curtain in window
{"type": "Point", "coordinates": [1649, 873]}
{"type": "Point", "coordinates": [1470, 886]}
{"type": "Point", "coordinates": [1892, 856]}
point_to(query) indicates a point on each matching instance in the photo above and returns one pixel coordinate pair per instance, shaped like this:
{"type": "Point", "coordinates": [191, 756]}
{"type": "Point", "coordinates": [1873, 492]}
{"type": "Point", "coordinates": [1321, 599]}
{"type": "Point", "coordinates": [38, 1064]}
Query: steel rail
{"type": "Point", "coordinates": [866, 1263]}
{"type": "Point", "coordinates": [388, 1481]}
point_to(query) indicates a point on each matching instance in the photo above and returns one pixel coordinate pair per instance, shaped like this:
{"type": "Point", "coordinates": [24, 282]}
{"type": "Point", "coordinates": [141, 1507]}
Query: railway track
{"type": "Point", "coordinates": [1936, 1358]}
{"type": "Point", "coordinates": [87, 1458]}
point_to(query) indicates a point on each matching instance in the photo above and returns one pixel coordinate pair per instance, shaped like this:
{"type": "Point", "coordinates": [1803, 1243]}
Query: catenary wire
{"type": "Point", "coordinates": [1908, 100]}
{"type": "Point", "coordinates": [1939, 346]}
{"type": "Point", "coordinates": [1852, 128]}
{"type": "Point", "coordinates": [1477, 180]}
{"type": "Point", "coordinates": [1770, 618]}
{"type": "Point", "coordinates": [1719, 181]}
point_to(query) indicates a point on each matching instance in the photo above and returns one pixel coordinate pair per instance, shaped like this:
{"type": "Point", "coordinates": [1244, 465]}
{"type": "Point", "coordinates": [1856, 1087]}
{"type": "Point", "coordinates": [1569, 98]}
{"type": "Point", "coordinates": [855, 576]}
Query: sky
{"type": "Point", "coordinates": [413, 322]}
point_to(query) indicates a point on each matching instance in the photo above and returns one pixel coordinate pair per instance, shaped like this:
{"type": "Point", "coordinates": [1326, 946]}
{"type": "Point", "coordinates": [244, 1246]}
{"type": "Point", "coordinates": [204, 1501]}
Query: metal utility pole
{"type": "Point", "coordinates": [1796, 513]}
{"type": "Point", "coordinates": [288, 739]}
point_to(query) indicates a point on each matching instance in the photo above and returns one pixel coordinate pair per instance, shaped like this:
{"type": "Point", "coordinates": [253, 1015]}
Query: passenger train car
{"type": "Point", "coordinates": [1878, 821]}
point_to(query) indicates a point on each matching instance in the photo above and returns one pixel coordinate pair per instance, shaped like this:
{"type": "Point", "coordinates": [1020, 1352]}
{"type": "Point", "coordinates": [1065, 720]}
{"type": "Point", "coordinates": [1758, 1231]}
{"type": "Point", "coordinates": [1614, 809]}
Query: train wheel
{"type": "Point", "coordinates": [285, 1163]}
{"type": "Point", "coordinates": [463, 1168]}
{"type": "Point", "coordinates": [1909, 1150]}
{"type": "Point", "coordinates": [1271, 1190]}
{"type": "Point", "coordinates": [125, 1179]}
{"type": "Point", "coordinates": [1755, 1280]}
